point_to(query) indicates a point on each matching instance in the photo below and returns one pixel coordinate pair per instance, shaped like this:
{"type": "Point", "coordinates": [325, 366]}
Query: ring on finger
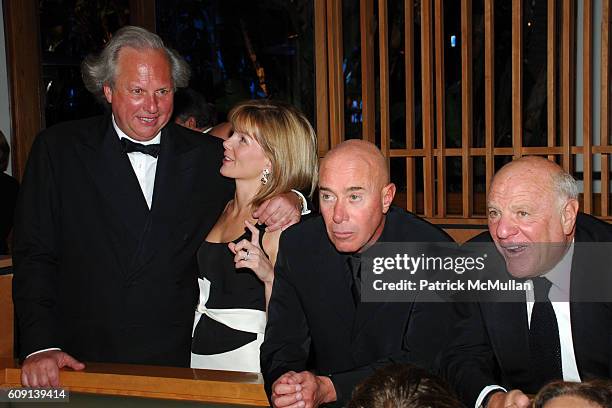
{"type": "Point", "coordinates": [246, 255]}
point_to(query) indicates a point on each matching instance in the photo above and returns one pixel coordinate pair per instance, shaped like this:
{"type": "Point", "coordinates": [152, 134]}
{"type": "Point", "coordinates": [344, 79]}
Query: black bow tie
{"type": "Point", "coordinates": [130, 147]}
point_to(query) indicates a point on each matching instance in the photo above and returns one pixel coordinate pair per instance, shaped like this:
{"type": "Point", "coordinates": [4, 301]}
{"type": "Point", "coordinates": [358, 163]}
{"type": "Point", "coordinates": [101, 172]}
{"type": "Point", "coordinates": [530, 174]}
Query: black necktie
{"type": "Point", "coordinates": [354, 264]}
{"type": "Point", "coordinates": [130, 147]}
{"type": "Point", "coordinates": [544, 344]}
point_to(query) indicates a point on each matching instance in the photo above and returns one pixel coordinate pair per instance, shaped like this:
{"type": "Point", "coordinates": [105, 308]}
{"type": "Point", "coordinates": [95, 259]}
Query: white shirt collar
{"type": "Point", "coordinates": [560, 276]}
{"type": "Point", "coordinates": [122, 134]}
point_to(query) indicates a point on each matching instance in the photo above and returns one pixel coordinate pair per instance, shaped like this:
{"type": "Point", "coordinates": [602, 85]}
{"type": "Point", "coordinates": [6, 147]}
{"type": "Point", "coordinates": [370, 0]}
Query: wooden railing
{"type": "Point", "coordinates": [5, 262]}
{"type": "Point", "coordinates": [133, 380]}
{"type": "Point", "coordinates": [154, 382]}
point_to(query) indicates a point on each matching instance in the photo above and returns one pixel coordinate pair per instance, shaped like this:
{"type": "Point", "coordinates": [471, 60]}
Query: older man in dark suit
{"type": "Point", "coordinates": [111, 214]}
{"type": "Point", "coordinates": [321, 340]}
{"type": "Point", "coordinates": [501, 351]}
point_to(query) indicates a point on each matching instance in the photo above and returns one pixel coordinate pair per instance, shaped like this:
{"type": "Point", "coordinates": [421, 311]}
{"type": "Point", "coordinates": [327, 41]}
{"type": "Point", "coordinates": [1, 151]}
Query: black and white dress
{"type": "Point", "coordinates": [230, 318]}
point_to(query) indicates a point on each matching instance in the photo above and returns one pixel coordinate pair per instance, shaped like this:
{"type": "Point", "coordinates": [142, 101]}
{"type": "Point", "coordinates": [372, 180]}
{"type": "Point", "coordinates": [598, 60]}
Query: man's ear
{"type": "Point", "coordinates": [569, 212]}
{"type": "Point", "coordinates": [388, 193]}
{"type": "Point", "coordinates": [108, 93]}
{"type": "Point", "coordinates": [191, 123]}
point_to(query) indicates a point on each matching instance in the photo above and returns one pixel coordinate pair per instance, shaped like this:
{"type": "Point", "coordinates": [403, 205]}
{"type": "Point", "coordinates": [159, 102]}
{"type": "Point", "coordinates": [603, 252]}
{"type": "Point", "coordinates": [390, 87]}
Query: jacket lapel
{"type": "Point", "coordinates": [365, 312]}
{"type": "Point", "coordinates": [509, 334]}
{"type": "Point", "coordinates": [333, 285]}
{"type": "Point", "coordinates": [173, 183]}
{"type": "Point", "coordinates": [369, 310]}
{"type": "Point", "coordinates": [590, 311]}
{"type": "Point", "coordinates": [112, 173]}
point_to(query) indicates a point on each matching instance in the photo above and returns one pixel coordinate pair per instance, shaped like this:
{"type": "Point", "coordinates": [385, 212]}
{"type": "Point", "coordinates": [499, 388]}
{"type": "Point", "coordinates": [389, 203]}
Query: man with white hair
{"type": "Point", "coordinates": [503, 351]}
{"type": "Point", "coordinates": [111, 214]}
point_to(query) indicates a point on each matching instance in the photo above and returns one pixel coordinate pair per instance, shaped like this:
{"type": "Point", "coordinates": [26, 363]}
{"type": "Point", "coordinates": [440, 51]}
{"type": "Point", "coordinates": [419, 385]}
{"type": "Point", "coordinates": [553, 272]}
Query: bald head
{"type": "Point", "coordinates": [535, 169]}
{"type": "Point", "coordinates": [354, 194]}
{"type": "Point", "coordinates": [362, 152]}
{"type": "Point", "coordinates": [532, 208]}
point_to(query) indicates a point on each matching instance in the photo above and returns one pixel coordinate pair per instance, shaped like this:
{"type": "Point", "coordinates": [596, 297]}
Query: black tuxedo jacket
{"type": "Point", "coordinates": [491, 341]}
{"type": "Point", "coordinates": [313, 323]}
{"type": "Point", "coordinates": [96, 272]}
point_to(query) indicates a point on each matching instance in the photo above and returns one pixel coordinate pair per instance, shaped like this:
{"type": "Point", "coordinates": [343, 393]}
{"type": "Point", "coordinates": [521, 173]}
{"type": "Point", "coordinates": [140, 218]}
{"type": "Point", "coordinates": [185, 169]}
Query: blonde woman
{"type": "Point", "coordinates": [272, 150]}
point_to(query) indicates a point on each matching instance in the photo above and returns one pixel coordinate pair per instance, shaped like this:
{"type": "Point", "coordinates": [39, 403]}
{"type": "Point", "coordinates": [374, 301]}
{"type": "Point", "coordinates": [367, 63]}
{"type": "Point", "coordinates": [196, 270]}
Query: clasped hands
{"type": "Point", "coordinates": [511, 399]}
{"type": "Point", "coordinates": [302, 390]}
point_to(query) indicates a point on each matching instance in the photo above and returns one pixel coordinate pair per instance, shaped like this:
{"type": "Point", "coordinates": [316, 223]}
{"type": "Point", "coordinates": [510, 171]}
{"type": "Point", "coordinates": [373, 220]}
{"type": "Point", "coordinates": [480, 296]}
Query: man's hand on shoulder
{"type": "Point", "coordinates": [514, 399]}
{"type": "Point", "coordinates": [302, 390]}
{"type": "Point", "coordinates": [42, 369]}
{"type": "Point", "coordinates": [281, 211]}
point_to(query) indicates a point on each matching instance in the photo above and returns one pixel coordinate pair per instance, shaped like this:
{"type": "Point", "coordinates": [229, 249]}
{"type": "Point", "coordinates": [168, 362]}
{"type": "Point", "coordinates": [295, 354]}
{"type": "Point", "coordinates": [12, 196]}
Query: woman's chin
{"type": "Point", "coordinates": [225, 173]}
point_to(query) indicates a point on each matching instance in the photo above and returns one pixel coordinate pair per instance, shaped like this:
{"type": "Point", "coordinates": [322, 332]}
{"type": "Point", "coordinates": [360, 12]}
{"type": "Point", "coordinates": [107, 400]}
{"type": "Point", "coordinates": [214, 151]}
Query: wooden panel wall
{"type": "Point", "coordinates": [489, 57]}
{"type": "Point", "coordinates": [142, 13]}
{"type": "Point", "coordinates": [25, 79]}
{"type": "Point", "coordinates": [411, 192]}
{"type": "Point", "coordinates": [385, 126]}
{"type": "Point", "coordinates": [587, 109]}
{"type": "Point", "coordinates": [367, 24]}
{"type": "Point", "coordinates": [567, 81]}
{"type": "Point", "coordinates": [606, 110]}
{"type": "Point", "coordinates": [551, 74]}
{"type": "Point", "coordinates": [321, 75]}
{"type": "Point", "coordinates": [427, 102]}
{"type": "Point", "coordinates": [466, 108]}
{"type": "Point", "coordinates": [560, 106]}
{"type": "Point", "coordinates": [440, 110]}
{"type": "Point", "coordinates": [23, 57]}
{"type": "Point", "coordinates": [336, 77]}
{"type": "Point", "coordinates": [517, 77]}
{"type": "Point", "coordinates": [6, 317]}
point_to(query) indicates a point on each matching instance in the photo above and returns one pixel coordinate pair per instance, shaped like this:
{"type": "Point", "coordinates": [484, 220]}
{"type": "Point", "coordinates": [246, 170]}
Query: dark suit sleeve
{"type": "Point", "coordinates": [468, 363]}
{"type": "Point", "coordinates": [287, 341]}
{"type": "Point", "coordinates": [35, 254]}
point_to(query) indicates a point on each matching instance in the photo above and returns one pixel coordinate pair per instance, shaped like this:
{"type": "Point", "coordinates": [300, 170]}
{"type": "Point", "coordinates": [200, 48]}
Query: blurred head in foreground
{"type": "Point", "coordinates": [403, 386]}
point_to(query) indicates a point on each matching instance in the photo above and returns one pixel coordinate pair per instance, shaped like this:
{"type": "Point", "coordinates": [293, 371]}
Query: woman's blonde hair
{"type": "Point", "coordinates": [288, 141]}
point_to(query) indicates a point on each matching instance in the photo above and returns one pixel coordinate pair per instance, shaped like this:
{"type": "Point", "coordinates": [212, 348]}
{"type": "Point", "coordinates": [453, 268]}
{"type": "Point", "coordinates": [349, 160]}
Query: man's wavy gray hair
{"type": "Point", "coordinates": [100, 69]}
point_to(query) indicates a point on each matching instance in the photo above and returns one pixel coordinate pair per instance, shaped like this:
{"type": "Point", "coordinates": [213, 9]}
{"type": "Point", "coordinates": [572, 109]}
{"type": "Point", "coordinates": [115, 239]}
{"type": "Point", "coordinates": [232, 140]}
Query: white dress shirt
{"type": "Point", "coordinates": [144, 165]}
{"type": "Point", "coordinates": [559, 292]}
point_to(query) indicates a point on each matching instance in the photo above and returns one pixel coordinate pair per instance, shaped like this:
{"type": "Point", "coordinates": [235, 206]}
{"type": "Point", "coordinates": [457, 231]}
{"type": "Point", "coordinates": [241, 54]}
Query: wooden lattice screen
{"type": "Point", "coordinates": [561, 106]}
